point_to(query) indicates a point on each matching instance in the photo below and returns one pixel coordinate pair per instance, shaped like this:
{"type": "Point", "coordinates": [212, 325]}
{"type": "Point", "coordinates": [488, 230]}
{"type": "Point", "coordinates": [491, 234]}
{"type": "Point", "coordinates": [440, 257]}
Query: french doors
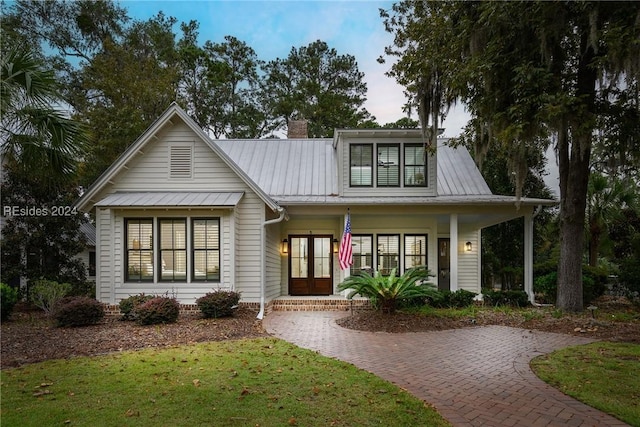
{"type": "Point", "coordinates": [310, 265]}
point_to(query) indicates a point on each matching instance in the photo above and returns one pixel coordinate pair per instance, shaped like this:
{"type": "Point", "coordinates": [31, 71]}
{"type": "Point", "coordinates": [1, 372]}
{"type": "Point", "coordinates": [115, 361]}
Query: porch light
{"type": "Point", "coordinates": [335, 246]}
{"type": "Point", "coordinates": [467, 247]}
{"type": "Point", "coordinates": [285, 247]}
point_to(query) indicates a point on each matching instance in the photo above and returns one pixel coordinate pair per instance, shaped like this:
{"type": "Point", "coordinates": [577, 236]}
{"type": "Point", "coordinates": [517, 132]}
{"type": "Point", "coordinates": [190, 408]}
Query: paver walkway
{"type": "Point", "coordinates": [476, 376]}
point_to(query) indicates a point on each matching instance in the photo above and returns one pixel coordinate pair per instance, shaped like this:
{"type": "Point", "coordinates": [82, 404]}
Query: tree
{"type": "Point", "coordinates": [526, 71]}
{"type": "Point", "coordinates": [317, 84]}
{"type": "Point", "coordinates": [41, 234]}
{"type": "Point", "coordinates": [37, 137]}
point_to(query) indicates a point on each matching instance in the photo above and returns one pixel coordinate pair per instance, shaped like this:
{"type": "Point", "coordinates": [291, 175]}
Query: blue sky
{"type": "Point", "coordinates": [273, 27]}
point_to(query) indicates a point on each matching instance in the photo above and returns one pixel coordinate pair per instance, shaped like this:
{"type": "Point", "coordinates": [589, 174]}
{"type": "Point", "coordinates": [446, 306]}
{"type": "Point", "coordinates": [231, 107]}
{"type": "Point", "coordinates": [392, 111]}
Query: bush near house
{"type": "Point", "coordinates": [157, 310]}
{"type": "Point", "coordinates": [219, 303]}
{"type": "Point", "coordinates": [78, 311]}
{"type": "Point", "coordinates": [46, 294]}
{"type": "Point", "coordinates": [629, 278]}
{"type": "Point", "coordinates": [386, 292]}
{"type": "Point", "coordinates": [128, 305]}
{"type": "Point", "coordinates": [457, 299]}
{"type": "Point", "coordinates": [511, 298]}
{"type": "Point", "coordinates": [8, 300]}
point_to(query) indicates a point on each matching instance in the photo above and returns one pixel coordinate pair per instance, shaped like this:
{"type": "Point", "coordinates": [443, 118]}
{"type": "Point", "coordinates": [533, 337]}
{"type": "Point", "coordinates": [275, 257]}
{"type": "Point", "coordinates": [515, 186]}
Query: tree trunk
{"type": "Point", "coordinates": [574, 154]}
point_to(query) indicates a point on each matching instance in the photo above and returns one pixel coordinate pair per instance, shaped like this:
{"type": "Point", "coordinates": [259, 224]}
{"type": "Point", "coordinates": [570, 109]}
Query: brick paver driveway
{"type": "Point", "coordinates": [476, 376]}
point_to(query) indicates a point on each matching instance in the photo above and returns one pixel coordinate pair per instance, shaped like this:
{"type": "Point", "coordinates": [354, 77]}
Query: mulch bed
{"type": "Point", "coordinates": [30, 337]}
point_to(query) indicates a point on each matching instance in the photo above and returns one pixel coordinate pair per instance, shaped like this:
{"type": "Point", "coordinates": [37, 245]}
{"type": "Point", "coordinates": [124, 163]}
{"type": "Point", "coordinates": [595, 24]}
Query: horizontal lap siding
{"type": "Point", "coordinates": [104, 257]}
{"type": "Point", "coordinates": [240, 234]}
{"type": "Point", "coordinates": [469, 262]}
{"type": "Point", "coordinates": [249, 214]}
{"type": "Point", "coordinates": [273, 262]}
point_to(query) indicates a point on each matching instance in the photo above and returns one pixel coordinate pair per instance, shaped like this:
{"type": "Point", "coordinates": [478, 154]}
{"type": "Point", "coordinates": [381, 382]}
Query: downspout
{"type": "Point", "coordinates": [263, 274]}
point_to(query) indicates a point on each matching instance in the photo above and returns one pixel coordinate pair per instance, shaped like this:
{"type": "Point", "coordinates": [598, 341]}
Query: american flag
{"type": "Point", "coordinates": [346, 251]}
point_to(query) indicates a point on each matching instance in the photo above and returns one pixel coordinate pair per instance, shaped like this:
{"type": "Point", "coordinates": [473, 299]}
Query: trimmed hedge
{"type": "Point", "coordinates": [219, 303]}
{"type": "Point", "coordinates": [458, 299]}
{"type": "Point", "coordinates": [511, 298]}
{"type": "Point", "coordinates": [128, 305]}
{"type": "Point", "coordinates": [157, 310]}
{"type": "Point", "coordinates": [78, 311]}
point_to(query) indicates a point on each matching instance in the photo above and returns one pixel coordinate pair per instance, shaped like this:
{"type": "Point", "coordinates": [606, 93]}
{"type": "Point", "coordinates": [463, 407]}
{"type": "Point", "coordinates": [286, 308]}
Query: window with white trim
{"type": "Point", "coordinates": [388, 253]}
{"type": "Point", "coordinates": [362, 253]}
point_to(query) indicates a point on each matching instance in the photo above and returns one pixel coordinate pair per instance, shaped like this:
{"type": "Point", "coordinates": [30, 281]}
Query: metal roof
{"type": "Point", "coordinates": [89, 231]}
{"type": "Point", "coordinates": [287, 167]}
{"type": "Point", "coordinates": [171, 199]}
{"type": "Point", "coordinates": [307, 169]}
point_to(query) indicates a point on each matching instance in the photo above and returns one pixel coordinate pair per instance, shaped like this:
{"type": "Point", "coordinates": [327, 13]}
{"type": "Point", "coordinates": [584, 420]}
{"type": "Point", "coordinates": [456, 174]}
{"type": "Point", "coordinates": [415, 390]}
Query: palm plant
{"type": "Point", "coordinates": [36, 135]}
{"type": "Point", "coordinates": [385, 292]}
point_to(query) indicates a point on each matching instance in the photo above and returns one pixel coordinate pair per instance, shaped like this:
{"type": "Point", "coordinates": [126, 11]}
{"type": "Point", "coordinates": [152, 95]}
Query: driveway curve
{"type": "Point", "coordinates": [477, 376]}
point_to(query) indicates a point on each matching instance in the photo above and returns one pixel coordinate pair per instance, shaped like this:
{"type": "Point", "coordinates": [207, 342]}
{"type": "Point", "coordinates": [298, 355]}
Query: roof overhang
{"type": "Point", "coordinates": [171, 200]}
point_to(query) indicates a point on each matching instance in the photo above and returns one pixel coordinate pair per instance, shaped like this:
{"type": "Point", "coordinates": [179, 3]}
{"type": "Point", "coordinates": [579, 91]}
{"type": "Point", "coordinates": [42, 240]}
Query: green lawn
{"type": "Point", "coordinates": [603, 375]}
{"type": "Point", "coordinates": [263, 382]}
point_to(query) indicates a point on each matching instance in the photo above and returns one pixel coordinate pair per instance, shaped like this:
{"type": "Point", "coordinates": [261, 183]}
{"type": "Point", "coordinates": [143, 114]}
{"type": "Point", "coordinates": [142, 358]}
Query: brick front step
{"type": "Point", "coordinates": [319, 304]}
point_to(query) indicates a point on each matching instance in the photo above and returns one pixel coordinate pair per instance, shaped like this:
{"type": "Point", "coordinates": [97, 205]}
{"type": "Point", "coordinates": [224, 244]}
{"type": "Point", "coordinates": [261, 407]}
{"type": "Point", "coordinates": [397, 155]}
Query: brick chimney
{"type": "Point", "coordinates": [297, 129]}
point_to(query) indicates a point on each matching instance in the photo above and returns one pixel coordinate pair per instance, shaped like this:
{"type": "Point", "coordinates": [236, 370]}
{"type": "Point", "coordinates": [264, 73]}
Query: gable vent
{"type": "Point", "coordinates": [180, 161]}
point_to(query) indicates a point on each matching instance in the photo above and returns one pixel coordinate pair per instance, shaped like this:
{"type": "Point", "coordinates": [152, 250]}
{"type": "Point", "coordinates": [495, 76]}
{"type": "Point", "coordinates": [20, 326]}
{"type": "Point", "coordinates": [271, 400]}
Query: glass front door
{"type": "Point", "coordinates": [310, 265]}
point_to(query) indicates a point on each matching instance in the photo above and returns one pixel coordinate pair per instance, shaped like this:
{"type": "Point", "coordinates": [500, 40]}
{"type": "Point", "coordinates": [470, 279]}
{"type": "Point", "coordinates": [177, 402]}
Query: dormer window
{"type": "Point", "coordinates": [361, 161]}
{"type": "Point", "coordinates": [397, 165]}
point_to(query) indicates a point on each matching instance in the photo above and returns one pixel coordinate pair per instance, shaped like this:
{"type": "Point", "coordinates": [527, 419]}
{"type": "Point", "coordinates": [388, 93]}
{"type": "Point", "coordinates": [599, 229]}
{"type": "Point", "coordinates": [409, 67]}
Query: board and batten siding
{"type": "Point", "coordinates": [149, 171]}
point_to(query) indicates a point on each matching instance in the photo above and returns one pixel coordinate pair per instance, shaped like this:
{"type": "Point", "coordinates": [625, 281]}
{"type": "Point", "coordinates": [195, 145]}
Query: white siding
{"type": "Point", "coordinates": [149, 170]}
{"type": "Point", "coordinates": [469, 262]}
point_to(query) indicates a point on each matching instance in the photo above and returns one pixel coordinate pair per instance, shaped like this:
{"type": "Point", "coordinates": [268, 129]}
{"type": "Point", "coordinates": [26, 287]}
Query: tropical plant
{"type": "Point", "coordinates": [37, 135]}
{"type": "Point", "coordinates": [385, 292]}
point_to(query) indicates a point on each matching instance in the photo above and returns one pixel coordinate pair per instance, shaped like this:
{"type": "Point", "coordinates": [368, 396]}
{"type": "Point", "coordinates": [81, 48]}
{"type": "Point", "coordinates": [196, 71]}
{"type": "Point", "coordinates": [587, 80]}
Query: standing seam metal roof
{"type": "Point", "coordinates": [303, 168]}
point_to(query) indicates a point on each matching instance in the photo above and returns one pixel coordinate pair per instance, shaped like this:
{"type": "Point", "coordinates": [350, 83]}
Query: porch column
{"type": "Point", "coordinates": [453, 252]}
{"type": "Point", "coordinates": [528, 256]}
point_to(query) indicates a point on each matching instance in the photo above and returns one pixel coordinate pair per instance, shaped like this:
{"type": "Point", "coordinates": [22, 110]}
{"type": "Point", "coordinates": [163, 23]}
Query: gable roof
{"type": "Point", "coordinates": [171, 113]}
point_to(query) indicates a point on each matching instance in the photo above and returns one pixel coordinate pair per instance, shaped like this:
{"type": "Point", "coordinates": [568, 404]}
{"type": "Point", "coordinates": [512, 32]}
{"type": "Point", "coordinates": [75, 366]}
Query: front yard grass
{"type": "Point", "coordinates": [604, 375]}
{"type": "Point", "coordinates": [260, 382]}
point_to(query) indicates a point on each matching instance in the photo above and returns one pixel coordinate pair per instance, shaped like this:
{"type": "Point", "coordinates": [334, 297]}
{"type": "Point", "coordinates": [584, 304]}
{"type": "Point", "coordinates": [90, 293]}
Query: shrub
{"type": "Point", "coordinates": [593, 285]}
{"type": "Point", "coordinates": [512, 298]}
{"type": "Point", "coordinates": [8, 300]}
{"type": "Point", "coordinates": [629, 278]}
{"type": "Point", "coordinates": [78, 311]}
{"type": "Point", "coordinates": [157, 310]}
{"type": "Point", "coordinates": [218, 303]}
{"type": "Point", "coordinates": [457, 299]}
{"type": "Point", "coordinates": [128, 305]}
{"type": "Point", "coordinates": [385, 292]}
{"type": "Point", "coordinates": [46, 294]}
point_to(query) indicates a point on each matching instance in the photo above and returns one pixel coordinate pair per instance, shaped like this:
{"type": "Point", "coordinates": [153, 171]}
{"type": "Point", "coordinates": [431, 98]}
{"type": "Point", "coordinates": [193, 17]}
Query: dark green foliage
{"type": "Point", "coordinates": [8, 299]}
{"type": "Point", "coordinates": [593, 285]}
{"type": "Point", "coordinates": [219, 303]}
{"type": "Point", "coordinates": [128, 305]}
{"type": "Point", "coordinates": [157, 310]}
{"type": "Point", "coordinates": [545, 287]}
{"type": "Point", "coordinates": [629, 278]}
{"type": "Point", "coordinates": [386, 292]}
{"type": "Point", "coordinates": [78, 311]}
{"type": "Point", "coordinates": [511, 298]}
{"type": "Point", "coordinates": [458, 299]}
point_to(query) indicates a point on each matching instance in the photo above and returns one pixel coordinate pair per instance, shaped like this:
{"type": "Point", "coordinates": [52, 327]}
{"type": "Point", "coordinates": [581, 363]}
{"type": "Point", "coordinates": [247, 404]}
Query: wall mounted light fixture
{"type": "Point", "coordinates": [284, 248]}
{"type": "Point", "coordinates": [468, 247]}
{"type": "Point", "coordinates": [335, 246]}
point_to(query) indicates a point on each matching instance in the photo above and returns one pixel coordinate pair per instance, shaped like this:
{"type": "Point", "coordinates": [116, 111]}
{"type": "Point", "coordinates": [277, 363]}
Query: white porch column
{"type": "Point", "coordinates": [453, 252]}
{"type": "Point", "coordinates": [528, 256]}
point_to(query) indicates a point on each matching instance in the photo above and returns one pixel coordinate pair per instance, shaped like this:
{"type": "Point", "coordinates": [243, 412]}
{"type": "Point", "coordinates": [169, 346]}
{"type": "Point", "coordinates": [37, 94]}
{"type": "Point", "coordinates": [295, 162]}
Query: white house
{"type": "Point", "coordinates": [181, 213]}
